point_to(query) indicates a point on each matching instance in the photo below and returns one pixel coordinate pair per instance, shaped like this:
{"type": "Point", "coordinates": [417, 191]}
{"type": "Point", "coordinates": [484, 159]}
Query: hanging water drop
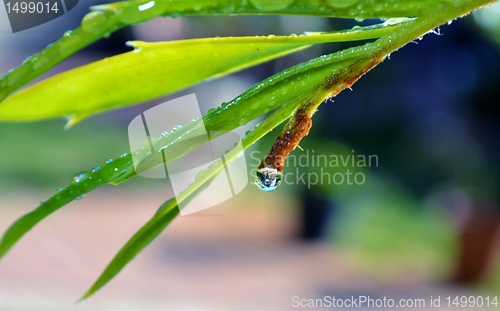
{"type": "Point", "coordinates": [268, 178]}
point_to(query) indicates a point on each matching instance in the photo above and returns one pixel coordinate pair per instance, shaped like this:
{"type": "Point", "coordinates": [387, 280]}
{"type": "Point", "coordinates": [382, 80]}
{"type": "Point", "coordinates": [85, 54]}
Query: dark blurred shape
{"type": "Point", "coordinates": [317, 214]}
{"type": "Point", "coordinates": [477, 237]}
{"type": "Point", "coordinates": [430, 114]}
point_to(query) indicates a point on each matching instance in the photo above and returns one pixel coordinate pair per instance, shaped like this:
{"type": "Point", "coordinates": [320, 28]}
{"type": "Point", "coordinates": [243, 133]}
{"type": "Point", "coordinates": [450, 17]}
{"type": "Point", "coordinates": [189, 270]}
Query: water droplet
{"type": "Point", "coordinates": [378, 7]}
{"type": "Point", "coordinates": [125, 154]}
{"type": "Point", "coordinates": [341, 4]}
{"type": "Point", "coordinates": [268, 178]}
{"type": "Point", "coordinates": [359, 19]}
{"type": "Point", "coordinates": [96, 169]}
{"type": "Point", "coordinates": [267, 5]}
{"type": "Point", "coordinates": [164, 134]}
{"type": "Point", "coordinates": [79, 177]}
{"type": "Point", "coordinates": [42, 202]}
{"type": "Point", "coordinates": [109, 161]}
{"type": "Point", "coordinates": [247, 133]}
{"type": "Point", "coordinates": [115, 169]}
{"type": "Point", "coordinates": [93, 21]}
{"type": "Point", "coordinates": [150, 142]}
{"type": "Point", "coordinates": [58, 190]}
{"type": "Point", "coordinates": [176, 128]}
{"type": "Point", "coordinates": [68, 34]}
{"type": "Point", "coordinates": [80, 197]}
{"type": "Point", "coordinates": [242, 121]}
{"type": "Point", "coordinates": [195, 119]}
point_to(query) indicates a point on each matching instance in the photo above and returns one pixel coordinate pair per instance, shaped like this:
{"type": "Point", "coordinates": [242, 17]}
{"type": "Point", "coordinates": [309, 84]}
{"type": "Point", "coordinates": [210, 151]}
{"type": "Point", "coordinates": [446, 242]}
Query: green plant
{"type": "Point", "coordinates": [144, 73]}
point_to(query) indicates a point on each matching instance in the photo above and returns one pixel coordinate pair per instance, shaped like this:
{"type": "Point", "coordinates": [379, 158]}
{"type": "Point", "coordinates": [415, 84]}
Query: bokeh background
{"type": "Point", "coordinates": [425, 222]}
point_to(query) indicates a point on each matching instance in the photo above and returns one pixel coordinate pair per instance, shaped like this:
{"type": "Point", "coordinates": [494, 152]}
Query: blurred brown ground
{"type": "Point", "coordinates": [240, 255]}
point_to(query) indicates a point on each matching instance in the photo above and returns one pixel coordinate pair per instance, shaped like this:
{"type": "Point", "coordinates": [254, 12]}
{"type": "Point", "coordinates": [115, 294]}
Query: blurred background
{"type": "Point", "coordinates": [424, 222]}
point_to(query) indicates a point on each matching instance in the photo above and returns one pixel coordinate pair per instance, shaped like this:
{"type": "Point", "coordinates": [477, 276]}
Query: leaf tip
{"type": "Point", "coordinates": [74, 119]}
{"type": "Point", "coordinates": [137, 45]}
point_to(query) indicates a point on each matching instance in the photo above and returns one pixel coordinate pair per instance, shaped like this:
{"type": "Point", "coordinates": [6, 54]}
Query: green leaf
{"type": "Point", "coordinates": [156, 69]}
{"type": "Point", "coordinates": [80, 184]}
{"type": "Point", "coordinates": [294, 86]}
{"type": "Point", "coordinates": [169, 210]}
{"type": "Point", "coordinates": [107, 18]}
{"type": "Point", "coordinates": [303, 86]}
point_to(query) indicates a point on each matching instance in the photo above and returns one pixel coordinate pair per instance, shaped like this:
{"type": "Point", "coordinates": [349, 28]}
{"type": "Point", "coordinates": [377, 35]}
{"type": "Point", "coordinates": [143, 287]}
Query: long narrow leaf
{"type": "Point", "coordinates": [157, 69]}
{"type": "Point", "coordinates": [105, 19]}
{"type": "Point", "coordinates": [258, 100]}
{"type": "Point", "coordinates": [169, 210]}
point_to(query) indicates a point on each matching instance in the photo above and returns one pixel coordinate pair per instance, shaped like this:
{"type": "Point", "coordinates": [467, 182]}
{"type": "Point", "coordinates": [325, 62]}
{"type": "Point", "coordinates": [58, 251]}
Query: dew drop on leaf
{"type": "Point", "coordinates": [79, 177]}
{"type": "Point", "coordinates": [266, 5]}
{"type": "Point", "coordinates": [92, 21]}
{"type": "Point", "coordinates": [341, 4]}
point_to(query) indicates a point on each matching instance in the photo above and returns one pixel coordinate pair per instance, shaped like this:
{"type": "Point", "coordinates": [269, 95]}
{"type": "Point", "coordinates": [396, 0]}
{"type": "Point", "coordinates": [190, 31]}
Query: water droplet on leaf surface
{"type": "Point", "coordinates": [79, 177]}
